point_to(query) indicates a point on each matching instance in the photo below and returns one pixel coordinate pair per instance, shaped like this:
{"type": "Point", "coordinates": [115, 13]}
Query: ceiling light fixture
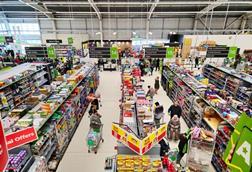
{"type": "Point", "coordinates": [114, 33]}
{"type": "Point", "coordinates": [150, 33]}
{"type": "Point", "coordinates": [98, 33]}
{"type": "Point", "coordinates": [134, 33]}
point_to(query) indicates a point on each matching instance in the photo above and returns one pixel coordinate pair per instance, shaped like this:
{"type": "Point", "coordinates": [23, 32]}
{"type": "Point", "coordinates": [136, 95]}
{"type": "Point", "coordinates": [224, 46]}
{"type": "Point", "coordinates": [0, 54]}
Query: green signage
{"type": "Point", "coordinates": [169, 52]}
{"type": "Point", "coordinates": [2, 39]}
{"type": "Point", "coordinates": [70, 40]}
{"type": "Point", "coordinates": [51, 53]}
{"type": "Point", "coordinates": [232, 52]}
{"type": "Point", "coordinates": [238, 154]}
{"type": "Point", "coordinates": [114, 53]}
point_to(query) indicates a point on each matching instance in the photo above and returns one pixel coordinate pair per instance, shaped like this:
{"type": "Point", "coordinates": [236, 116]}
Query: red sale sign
{"type": "Point", "coordinates": [21, 137]}
{"type": "Point", "coordinates": [3, 149]}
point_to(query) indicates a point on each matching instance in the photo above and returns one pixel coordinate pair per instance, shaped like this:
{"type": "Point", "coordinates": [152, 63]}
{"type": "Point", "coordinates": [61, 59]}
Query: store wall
{"type": "Point", "coordinates": [241, 41]}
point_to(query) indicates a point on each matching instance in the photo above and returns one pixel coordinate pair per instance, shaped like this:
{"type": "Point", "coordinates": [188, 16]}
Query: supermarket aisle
{"type": "Point", "coordinates": [164, 100]}
{"type": "Point", "coordinates": [77, 157]}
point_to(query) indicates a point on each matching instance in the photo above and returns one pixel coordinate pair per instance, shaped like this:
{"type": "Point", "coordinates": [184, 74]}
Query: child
{"type": "Point", "coordinates": [174, 128]}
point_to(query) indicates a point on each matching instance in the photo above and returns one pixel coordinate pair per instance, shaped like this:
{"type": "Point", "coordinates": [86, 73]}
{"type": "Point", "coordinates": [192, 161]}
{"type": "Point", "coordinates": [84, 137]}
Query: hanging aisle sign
{"type": "Point", "coordinates": [4, 156]}
{"type": "Point", "coordinates": [238, 154]}
{"type": "Point", "coordinates": [169, 52]}
{"type": "Point", "coordinates": [51, 53]}
{"type": "Point", "coordinates": [155, 52]}
{"type": "Point", "coordinates": [99, 52]}
{"type": "Point", "coordinates": [232, 52]}
{"type": "Point", "coordinates": [2, 39]}
{"type": "Point", "coordinates": [114, 53]}
{"type": "Point", "coordinates": [70, 40]}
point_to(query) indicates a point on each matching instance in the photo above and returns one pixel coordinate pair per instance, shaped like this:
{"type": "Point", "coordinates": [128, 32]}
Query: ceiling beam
{"type": "Point", "coordinates": [153, 6]}
{"type": "Point", "coordinates": [91, 2]}
{"type": "Point", "coordinates": [121, 13]}
{"type": "Point", "coordinates": [37, 7]}
{"type": "Point", "coordinates": [211, 7]}
{"type": "Point", "coordinates": [131, 3]}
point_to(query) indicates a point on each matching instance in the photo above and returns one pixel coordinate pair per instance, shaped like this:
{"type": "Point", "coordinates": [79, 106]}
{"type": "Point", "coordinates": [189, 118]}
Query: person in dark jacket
{"type": "Point", "coordinates": [156, 85]}
{"type": "Point", "coordinates": [175, 109]}
{"type": "Point", "coordinates": [164, 147]}
{"type": "Point", "coordinates": [157, 64]}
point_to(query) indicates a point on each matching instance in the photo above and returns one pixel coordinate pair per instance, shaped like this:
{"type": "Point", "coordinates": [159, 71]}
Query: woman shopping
{"type": "Point", "coordinates": [156, 85]}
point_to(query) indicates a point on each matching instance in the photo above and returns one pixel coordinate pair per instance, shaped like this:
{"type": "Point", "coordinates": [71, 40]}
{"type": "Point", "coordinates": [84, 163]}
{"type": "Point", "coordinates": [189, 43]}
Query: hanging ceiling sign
{"type": "Point", "coordinates": [9, 39]}
{"type": "Point", "coordinates": [217, 52]}
{"type": "Point", "coordinates": [99, 52]}
{"type": "Point", "coordinates": [54, 41]}
{"type": "Point", "coordinates": [155, 52]}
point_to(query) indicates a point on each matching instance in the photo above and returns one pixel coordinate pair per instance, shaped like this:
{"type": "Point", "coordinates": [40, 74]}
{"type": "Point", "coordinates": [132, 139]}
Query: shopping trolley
{"type": "Point", "coordinates": [94, 138]}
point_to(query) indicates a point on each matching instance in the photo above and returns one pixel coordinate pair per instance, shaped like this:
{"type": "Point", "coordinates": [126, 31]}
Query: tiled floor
{"type": "Point", "coordinates": [77, 158]}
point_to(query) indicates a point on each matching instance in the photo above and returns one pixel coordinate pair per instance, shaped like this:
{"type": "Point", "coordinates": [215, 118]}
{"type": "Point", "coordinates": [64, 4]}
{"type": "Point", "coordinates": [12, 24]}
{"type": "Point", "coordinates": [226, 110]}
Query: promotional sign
{"type": "Point", "coordinates": [70, 40]}
{"type": "Point", "coordinates": [21, 137]}
{"type": "Point", "coordinates": [51, 53]}
{"type": "Point", "coordinates": [137, 145]}
{"type": "Point", "coordinates": [238, 154]}
{"type": "Point", "coordinates": [148, 142]}
{"type": "Point", "coordinates": [232, 52]}
{"type": "Point", "coordinates": [134, 143]}
{"type": "Point", "coordinates": [155, 52]}
{"type": "Point", "coordinates": [169, 52]}
{"type": "Point", "coordinates": [114, 53]}
{"type": "Point", "coordinates": [4, 157]}
{"type": "Point", "coordinates": [54, 41]}
{"type": "Point", "coordinates": [161, 132]}
{"type": "Point", "coordinates": [99, 52]}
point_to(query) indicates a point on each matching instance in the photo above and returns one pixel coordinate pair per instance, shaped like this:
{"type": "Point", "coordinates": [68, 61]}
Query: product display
{"type": "Point", "coordinates": [54, 111]}
{"type": "Point", "coordinates": [206, 104]}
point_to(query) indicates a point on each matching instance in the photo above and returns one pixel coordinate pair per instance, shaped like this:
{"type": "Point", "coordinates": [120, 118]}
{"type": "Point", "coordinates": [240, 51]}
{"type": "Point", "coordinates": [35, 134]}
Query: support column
{"type": "Point", "coordinates": [54, 29]}
{"type": "Point", "coordinates": [243, 23]}
{"type": "Point", "coordinates": [147, 28]}
{"type": "Point", "coordinates": [101, 34]}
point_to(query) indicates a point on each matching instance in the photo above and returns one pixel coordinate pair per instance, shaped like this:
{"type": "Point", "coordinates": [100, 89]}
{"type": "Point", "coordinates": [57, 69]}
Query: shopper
{"type": "Point", "coordinates": [164, 147]}
{"type": "Point", "coordinates": [95, 121]}
{"type": "Point", "coordinates": [183, 145]}
{"type": "Point", "coordinates": [196, 62]}
{"type": "Point", "coordinates": [158, 114]}
{"type": "Point", "coordinates": [174, 128]}
{"type": "Point", "coordinates": [152, 67]}
{"type": "Point", "coordinates": [156, 85]}
{"type": "Point", "coordinates": [157, 64]}
{"type": "Point", "coordinates": [151, 92]}
{"type": "Point", "coordinates": [175, 109]}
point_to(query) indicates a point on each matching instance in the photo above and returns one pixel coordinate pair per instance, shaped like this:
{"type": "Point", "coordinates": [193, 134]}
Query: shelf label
{"type": "Point", "coordinates": [114, 53]}
{"type": "Point", "coordinates": [161, 132]}
{"type": "Point", "coordinates": [21, 137]}
{"type": "Point", "coordinates": [4, 156]}
{"type": "Point", "coordinates": [149, 142]}
{"type": "Point", "coordinates": [239, 149]}
{"type": "Point", "coordinates": [169, 52]}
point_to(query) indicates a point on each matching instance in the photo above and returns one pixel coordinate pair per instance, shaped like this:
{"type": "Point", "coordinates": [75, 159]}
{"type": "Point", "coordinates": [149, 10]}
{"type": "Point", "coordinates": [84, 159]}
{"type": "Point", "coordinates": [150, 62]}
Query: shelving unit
{"type": "Point", "coordinates": [184, 86]}
{"type": "Point", "coordinates": [19, 83]}
{"type": "Point", "coordinates": [237, 84]}
{"type": "Point", "coordinates": [56, 127]}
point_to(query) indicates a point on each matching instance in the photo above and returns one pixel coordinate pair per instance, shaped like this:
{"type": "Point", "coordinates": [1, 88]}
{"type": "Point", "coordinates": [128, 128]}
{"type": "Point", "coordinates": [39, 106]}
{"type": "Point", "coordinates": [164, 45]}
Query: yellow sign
{"type": "Point", "coordinates": [134, 140]}
{"type": "Point", "coordinates": [161, 129]}
{"type": "Point", "coordinates": [149, 139]}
